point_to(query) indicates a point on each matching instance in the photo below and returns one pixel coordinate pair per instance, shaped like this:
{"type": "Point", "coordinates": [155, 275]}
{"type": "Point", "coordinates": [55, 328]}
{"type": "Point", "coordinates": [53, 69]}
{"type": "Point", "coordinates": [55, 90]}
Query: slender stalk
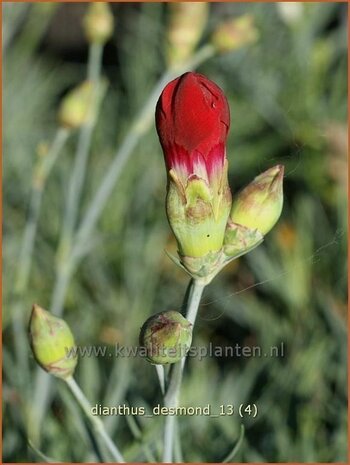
{"type": "Point", "coordinates": [75, 190]}
{"type": "Point", "coordinates": [178, 457]}
{"type": "Point", "coordinates": [41, 174]}
{"type": "Point", "coordinates": [95, 421]}
{"type": "Point", "coordinates": [94, 61]}
{"type": "Point", "coordinates": [171, 398]}
{"type": "Point", "coordinates": [77, 178]}
{"type": "Point", "coordinates": [161, 377]}
{"type": "Point", "coordinates": [65, 264]}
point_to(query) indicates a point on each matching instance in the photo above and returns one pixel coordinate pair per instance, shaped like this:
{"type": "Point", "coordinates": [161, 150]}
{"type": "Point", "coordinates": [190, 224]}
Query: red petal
{"type": "Point", "coordinates": [192, 116]}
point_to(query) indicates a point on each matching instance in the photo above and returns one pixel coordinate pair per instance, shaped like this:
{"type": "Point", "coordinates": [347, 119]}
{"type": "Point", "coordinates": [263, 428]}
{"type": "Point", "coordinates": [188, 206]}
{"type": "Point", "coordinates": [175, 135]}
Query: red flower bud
{"type": "Point", "coordinates": [193, 119]}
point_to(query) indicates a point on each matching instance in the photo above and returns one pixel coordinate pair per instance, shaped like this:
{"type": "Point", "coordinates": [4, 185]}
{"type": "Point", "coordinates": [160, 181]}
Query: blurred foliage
{"type": "Point", "coordinates": [288, 100]}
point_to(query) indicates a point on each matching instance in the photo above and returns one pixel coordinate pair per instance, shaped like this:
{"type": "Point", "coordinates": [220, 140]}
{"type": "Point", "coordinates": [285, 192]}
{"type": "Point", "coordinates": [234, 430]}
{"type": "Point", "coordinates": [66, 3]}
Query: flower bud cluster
{"type": "Point", "coordinates": [192, 120]}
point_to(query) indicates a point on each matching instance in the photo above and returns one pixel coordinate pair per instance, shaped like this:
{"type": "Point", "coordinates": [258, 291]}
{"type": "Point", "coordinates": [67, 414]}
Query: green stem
{"type": "Point", "coordinates": [65, 263]}
{"type": "Point", "coordinates": [77, 178]}
{"type": "Point", "coordinates": [95, 421]}
{"type": "Point", "coordinates": [95, 62]}
{"type": "Point", "coordinates": [171, 398]}
{"type": "Point", "coordinates": [161, 377]}
{"type": "Point", "coordinates": [39, 180]}
{"type": "Point", "coordinates": [41, 174]}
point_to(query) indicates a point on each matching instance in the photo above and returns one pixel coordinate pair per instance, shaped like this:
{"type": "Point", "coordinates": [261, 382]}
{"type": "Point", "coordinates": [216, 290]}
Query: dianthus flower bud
{"type": "Point", "coordinates": [186, 24]}
{"type": "Point", "coordinates": [78, 106]}
{"type": "Point", "coordinates": [192, 119]}
{"type": "Point", "coordinates": [98, 22]}
{"type": "Point", "coordinates": [52, 341]}
{"type": "Point", "coordinates": [259, 205]}
{"type": "Point", "coordinates": [166, 337]}
{"type": "Point", "coordinates": [235, 33]}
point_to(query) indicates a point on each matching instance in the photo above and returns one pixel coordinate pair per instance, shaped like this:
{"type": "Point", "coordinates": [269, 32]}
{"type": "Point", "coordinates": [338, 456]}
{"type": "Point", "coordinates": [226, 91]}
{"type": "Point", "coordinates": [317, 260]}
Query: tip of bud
{"type": "Point", "coordinates": [278, 177]}
{"type": "Point", "coordinates": [37, 311]}
{"type": "Point", "coordinates": [166, 337]}
{"type": "Point", "coordinates": [51, 342]}
{"type": "Point", "coordinates": [272, 178]}
{"type": "Point", "coordinates": [277, 170]}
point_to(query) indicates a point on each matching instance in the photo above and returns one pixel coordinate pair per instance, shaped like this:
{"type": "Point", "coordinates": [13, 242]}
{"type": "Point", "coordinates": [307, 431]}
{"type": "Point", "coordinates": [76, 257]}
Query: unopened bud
{"type": "Point", "coordinates": [52, 342]}
{"type": "Point", "coordinates": [290, 12]}
{"type": "Point", "coordinates": [98, 22]}
{"type": "Point", "coordinates": [192, 120]}
{"type": "Point", "coordinates": [235, 33]}
{"type": "Point", "coordinates": [78, 106]}
{"type": "Point", "coordinates": [186, 24]}
{"type": "Point", "coordinates": [166, 337]}
{"type": "Point", "coordinates": [259, 205]}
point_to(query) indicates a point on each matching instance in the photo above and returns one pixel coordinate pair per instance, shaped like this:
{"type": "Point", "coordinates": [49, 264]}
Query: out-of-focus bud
{"type": "Point", "coordinates": [193, 119]}
{"type": "Point", "coordinates": [235, 33]}
{"type": "Point", "coordinates": [166, 337]}
{"type": "Point", "coordinates": [78, 106]}
{"type": "Point", "coordinates": [98, 23]}
{"type": "Point", "coordinates": [52, 341]}
{"type": "Point", "coordinates": [290, 12]}
{"type": "Point", "coordinates": [186, 24]}
{"type": "Point", "coordinates": [259, 205]}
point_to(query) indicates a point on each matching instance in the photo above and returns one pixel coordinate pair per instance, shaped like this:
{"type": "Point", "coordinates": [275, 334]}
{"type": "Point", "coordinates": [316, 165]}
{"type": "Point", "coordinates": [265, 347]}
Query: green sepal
{"type": "Point", "coordinates": [197, 188]}
{"type": "Point", "coordinates": [202, 268]}
{"type": "Point", "coordinates": [240, 240]}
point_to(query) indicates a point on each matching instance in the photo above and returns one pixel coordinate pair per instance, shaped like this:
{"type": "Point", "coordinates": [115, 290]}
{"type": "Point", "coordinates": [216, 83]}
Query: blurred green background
{"type": "Point", "coordinates": [288, 98]}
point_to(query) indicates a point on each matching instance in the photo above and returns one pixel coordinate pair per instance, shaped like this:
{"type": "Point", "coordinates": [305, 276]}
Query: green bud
{"type": "Point", "coordinates": [259, 205]}
{"type": "Point", "coordinates": [186, 24]}
{"type": "Point", "coordinates": [235, 33]}
{"type": "Point", "coordinates": [78, 106]}
{"type": "Point", "coordinates": [98, 23]}
{"type": "Point", "coordinates": [166, 337]}
{"type": "Point", "coordinates": [51, 340]}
